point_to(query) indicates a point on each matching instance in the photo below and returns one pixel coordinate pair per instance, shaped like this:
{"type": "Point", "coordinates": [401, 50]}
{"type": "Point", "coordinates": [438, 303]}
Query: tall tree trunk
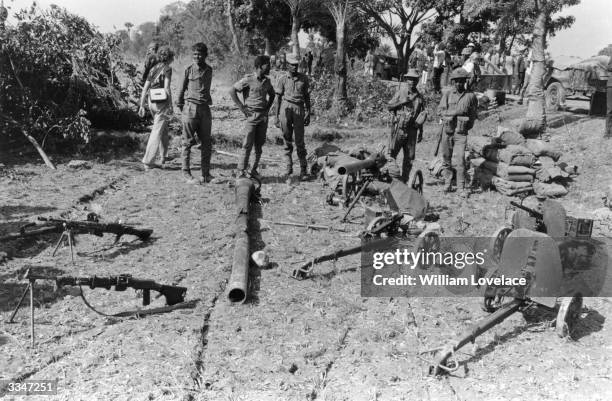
{"type": "Point", "coordinates": [230, 22]}
{"type": "Point", "coordinates": [340, 94]}
{"type": "Point", "coordinates": [535, 119]}
{"type": "Point", "coordinates": [296, 23]}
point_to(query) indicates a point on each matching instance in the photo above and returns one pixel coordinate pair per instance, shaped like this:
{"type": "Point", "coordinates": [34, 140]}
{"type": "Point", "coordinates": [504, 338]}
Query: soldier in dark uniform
{"type": "Point", "coordinates": [293, 113]}
{"type": "Point", "coordinates": [408, 107]}
{"type": "Point", "coordinates": [258, 96]}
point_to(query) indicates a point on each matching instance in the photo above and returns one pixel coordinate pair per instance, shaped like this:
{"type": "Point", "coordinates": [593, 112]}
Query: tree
{"type": "Point", "coordinates": [298, 9]}
{"type": "Point", "coordinates": [540, 12]}
{"type": "Point", "coordinates": [128, 26]}
{"type": "Point", "coordinates": [268, 21]}
{"type": "Point", "coordinates": [229, 12]}
{"type": "Point", "coordinates": [606, 51]}
{"type": "Point", "coordinates": [398, 19]}
{"type": "Point", "coordinates": [341, 10]}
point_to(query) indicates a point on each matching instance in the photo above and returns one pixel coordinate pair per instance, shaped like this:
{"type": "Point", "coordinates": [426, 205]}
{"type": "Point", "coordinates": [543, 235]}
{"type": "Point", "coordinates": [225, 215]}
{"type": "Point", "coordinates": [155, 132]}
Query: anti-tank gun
{"type": "Point", "coordinates": [538, 248]}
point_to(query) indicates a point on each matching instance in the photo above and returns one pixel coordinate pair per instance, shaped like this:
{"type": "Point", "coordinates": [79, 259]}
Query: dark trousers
{"type": "Point", "coordinates": [256, 128]}
{"type": "Point", "coordinates": [453, 154]}
{"type": "Point", "coordinates": [197, 123]}
{"type": "Point", "coordinates": [406, 142]}
{"type": "Point", "coordinates": [437, 76]}
{"type": "Point", "coordinates": [292, 125]}
{"type": "Point", "coordinates": [608, 132]}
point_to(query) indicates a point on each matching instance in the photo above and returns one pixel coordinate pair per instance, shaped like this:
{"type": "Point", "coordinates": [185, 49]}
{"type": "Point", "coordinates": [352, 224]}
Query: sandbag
{"type": "Point", "coordinates": [477, 144]}
{"type": "Point", "coordinates": [549, 174]}
{"type": "Point", "coordinates": [541, 148]}
{"type": "Point", "coordinates": [510, 188]}
{"type": "Point", "coordinates": [549, 190]}
{"type": "Point", "coordinates": [514, 155]}
{"type": "Point", "coordinates": [500, 182]}
{"type": "Point", "coordinates": [508, 137]}
{"type": "Point", "coordinates": [504, 170]}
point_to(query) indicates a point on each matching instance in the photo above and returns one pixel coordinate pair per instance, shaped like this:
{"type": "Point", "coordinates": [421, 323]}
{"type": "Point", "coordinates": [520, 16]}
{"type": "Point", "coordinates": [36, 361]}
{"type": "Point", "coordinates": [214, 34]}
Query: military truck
{"type": "Point", "coordinates": [586, 78]}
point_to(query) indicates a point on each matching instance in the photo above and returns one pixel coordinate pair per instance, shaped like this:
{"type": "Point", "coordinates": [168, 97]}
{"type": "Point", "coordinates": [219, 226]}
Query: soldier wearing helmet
{"type": "Point", "coordinates": [458, 109]}
{"type": "Point", "coordinates": [408, 108]}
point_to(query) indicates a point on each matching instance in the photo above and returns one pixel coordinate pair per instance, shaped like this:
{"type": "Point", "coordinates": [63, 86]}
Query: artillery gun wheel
{"type": "Point", "coordinates": [492, 299]}
{"type": "Point", "coordinates": [417, 182]}
{"type": "Point", "coordinates": [497, 243]}
{"type": "Point", "coordinates": [374, 226]}
{"type": "Point", "coordinates": [427, 242]}
{"type": "Point", "coordinates": [349, 186]}
{"type": "Point", "coordinates": [568, 315]}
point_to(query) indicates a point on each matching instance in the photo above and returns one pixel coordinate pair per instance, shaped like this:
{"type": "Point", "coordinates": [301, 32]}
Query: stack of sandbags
{"type": "Point", "coordinates": [515, 165]}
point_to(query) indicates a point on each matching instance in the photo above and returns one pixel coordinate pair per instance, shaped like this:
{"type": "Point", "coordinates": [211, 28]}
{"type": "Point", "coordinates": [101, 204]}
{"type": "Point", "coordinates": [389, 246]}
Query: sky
{"type": "Point", "coordinates": [591, 32]}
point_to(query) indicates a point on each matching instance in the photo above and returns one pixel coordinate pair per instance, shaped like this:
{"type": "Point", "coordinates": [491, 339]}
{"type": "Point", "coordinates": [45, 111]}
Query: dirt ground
{"type": "Point", "coordinates": [292, 340]}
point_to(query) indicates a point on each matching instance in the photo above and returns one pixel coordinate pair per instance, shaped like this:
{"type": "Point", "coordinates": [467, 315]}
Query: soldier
{"type": "Point", "coordinates": [408, 107]}
{"type": "Point", "coordinates": [255, 88]}
{"type": "Point", "coordinates": [293, 114]}
{"type": "Point", "coordinates": [458, 108]}
{"type": "Point", "coordinates": [194, 101]}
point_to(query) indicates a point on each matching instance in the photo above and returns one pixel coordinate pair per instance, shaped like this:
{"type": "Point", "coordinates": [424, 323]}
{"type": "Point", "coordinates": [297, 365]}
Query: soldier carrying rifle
{"type": "Point", "coordinates": [458, 109]}
{"type": "Point", "coordinates": [408, 108]}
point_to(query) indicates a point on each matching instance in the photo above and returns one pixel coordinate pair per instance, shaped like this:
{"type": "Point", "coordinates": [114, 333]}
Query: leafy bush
{"type": "Point", "coordinates": [58, 74]}
{"type": "Point", "coordinates": [367, 98]}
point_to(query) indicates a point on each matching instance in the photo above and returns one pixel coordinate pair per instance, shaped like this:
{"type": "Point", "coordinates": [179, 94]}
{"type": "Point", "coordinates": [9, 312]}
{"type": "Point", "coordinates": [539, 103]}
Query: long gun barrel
{"type": "Point", "coordinates": [173, 294]}
{"type": "Point", "coordinates": [532, 213]}
{"type": "Point", "coordinates": [354, 166]}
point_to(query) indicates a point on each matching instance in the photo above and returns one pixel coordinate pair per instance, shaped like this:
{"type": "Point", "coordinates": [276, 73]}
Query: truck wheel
{"type": "Point", "coordinates": [555, 96]}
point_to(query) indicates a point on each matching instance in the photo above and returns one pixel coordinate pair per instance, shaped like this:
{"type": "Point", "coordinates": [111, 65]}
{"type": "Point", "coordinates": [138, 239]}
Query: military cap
{"type": "Point", "coordinates": [412, 74]}
{"type": "Point", "coordinates": [292, 59]}
{"type": "Point", "coordinates": [459, 73]}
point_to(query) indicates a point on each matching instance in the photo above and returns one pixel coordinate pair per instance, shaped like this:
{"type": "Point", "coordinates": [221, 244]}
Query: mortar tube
{"type": "Point", "coordinates": [239, 279]}
{"type": "Point", "coordinates": [355, 166]}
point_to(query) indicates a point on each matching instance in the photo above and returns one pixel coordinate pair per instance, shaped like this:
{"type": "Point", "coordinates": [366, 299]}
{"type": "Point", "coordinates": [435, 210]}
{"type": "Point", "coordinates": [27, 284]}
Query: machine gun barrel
{"type": "Point", "coordinates": [532, 213]}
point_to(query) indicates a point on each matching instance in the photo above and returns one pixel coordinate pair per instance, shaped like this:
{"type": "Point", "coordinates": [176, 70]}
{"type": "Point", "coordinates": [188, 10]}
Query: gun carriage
{"type": "Point", "coordinates": [529, 248]}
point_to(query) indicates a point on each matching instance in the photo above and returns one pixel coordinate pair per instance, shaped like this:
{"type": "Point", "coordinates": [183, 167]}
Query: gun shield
{"type": "Point", "coordinates": [237, 288]}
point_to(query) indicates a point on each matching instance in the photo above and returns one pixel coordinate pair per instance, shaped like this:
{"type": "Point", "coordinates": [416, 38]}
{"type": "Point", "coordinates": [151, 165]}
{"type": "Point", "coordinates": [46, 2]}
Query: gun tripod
{"type": "Point", "coordinates": [66, 237]}
{"type": "Point", "coordinates": [29, 288]}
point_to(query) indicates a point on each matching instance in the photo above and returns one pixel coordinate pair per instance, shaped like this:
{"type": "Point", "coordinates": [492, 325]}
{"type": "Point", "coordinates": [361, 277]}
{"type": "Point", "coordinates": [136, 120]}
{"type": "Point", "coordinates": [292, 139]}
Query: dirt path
{"type": "Point", "coordinates": [294, 340]}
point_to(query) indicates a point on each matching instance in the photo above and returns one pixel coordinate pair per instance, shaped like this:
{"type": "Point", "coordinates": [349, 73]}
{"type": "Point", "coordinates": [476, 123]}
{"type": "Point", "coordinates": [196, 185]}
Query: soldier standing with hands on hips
{"type": "Point", "coordinates": [255, 88]}
{"type": "Point", "coordinates": [458, 109]}
{"type": "Point", "coordinates": [194, 101]}
{"type": "Point", "coordinates": [408, 108]}
{"type": "Point", "coordinates": [293, 114]}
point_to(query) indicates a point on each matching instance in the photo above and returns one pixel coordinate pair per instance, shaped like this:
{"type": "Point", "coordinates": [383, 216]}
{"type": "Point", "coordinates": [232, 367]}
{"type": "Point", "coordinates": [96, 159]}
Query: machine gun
{"type": "Point", "coordinates": [174, 295]}
{"type": "Point", "coordinates": [68, 228]}
{"type": "Point", "coordinates": [122, 282]}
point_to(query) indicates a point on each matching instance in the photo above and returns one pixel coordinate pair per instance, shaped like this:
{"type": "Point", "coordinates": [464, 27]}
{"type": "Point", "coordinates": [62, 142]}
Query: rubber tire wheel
{"type": "Point", "coordinates": [568, 315]}
{"type": "Point", "coordinates": [427, 242]}
{"type": "Point", "coordinates": [555, 94]}
{"type": "Point", "coordinates": [497, 243]}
